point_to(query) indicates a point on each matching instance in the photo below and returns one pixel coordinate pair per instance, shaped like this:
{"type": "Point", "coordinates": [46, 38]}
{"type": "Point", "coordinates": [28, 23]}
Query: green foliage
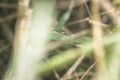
{"type": "Point", "coordinates": [117, 4]}
{"type": "Point", "coordinates": [67, 53]}
{"type": "Point", "coordinates": [85, 39]}
{"type": "Point", "coordinates": [64, 17]}
{"type": "Point", "coordinates": [55, 36]}
{"type": "Point", "coordinates": [65, 57]}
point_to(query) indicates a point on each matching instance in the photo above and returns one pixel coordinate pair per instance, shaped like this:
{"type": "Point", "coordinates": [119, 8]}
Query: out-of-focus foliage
{"type": "Point", "coordinates": [66, 46]}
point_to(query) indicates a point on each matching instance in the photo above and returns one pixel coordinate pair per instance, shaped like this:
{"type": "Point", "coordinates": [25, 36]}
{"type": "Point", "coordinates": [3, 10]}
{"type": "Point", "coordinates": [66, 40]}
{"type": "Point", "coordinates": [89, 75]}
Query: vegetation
{"type": "Point", "coordinates": [59, 39]}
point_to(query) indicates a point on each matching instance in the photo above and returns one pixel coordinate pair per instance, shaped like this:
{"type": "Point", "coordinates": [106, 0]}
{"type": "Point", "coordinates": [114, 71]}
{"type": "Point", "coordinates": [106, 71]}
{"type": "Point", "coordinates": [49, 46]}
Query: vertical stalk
{"type": "Point", "coordinates": [30, 38]}
{"type": "Point", "coordinates": [114, 60]}
{"type": "Point", "coordinates": [99, 51]}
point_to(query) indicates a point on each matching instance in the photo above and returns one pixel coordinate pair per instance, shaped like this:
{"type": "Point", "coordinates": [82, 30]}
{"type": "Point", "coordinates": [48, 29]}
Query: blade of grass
{"type": "Point", "coordinates": [65, 17]}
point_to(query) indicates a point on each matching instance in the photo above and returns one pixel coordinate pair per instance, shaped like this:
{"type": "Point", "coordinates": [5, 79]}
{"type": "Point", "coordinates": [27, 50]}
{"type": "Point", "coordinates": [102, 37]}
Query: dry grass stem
{"type": "Point", "coordinates": [9, 17]}
{"type": "Point", "coordinates": [99, 51]}
{"type": "Point", "coordinates": [72, 68]}
{"type": "Point", "coordinates": [57, 44]}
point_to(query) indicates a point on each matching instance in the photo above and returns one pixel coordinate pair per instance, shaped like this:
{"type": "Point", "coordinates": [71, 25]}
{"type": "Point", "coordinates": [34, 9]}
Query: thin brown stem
{"type": "Point", "coordinates": [73, 68]}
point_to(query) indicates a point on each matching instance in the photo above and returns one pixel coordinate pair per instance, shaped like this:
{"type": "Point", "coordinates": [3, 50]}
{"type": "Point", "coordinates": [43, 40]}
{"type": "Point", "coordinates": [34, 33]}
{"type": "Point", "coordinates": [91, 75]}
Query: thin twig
{"type": "Point", "coordinates": [57, 44]}
{"type": "Point", "coordinates": [56, 75]}
{"type": "Point", "coordinates": [82, 73]}
{"type": "Point", "coordinates": [8, 32]}
{"type": "Point", "coordinates": [8, 5]}
{"type": "Point", "coordinates": [9, 17]}
{"type": "Point", "coordinates": [106, 5]}
{"type": "Point", "coordinates": [87, 8]}
{"type": "Point", "coordinates": [88, 70]}
{"type": "Point", "coordinates": [89, 18]}
{"type": "Point", "coordinates": [73, 68]}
